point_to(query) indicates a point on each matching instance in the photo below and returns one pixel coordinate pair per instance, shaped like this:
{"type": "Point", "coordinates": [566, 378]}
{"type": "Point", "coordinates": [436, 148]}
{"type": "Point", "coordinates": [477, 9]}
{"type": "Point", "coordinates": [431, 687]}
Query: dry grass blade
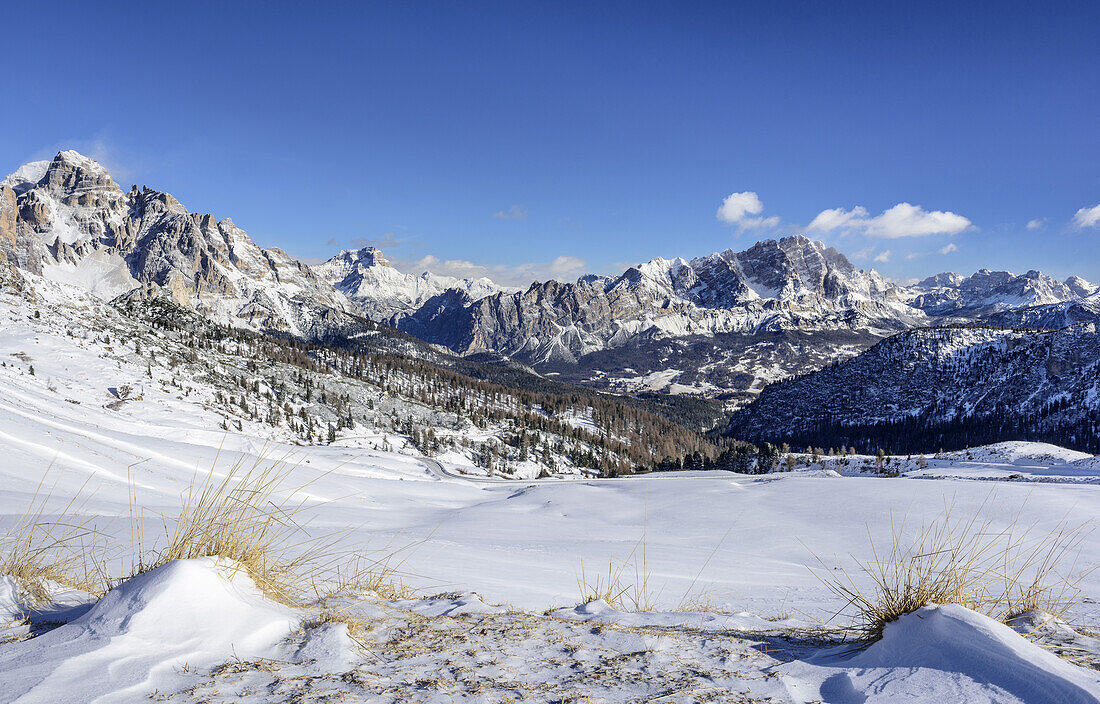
{"type": "Point", "coordinates": [615, 587]}
{"type": "Point", "coordinates": [46, 546]}
{"type": "Point", "coordinates": [383, 576]}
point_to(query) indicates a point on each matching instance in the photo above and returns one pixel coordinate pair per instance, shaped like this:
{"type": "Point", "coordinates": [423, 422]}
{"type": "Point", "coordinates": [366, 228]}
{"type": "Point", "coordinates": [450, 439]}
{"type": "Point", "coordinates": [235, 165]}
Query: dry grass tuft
{"type": "Point", "coordinates": [356, 625]}
{"type": "Point", "coordinates": [48, 546]}
{"type": "Point", "coordinates": [625, 584]}
{"type": "Point", "coordinates": [382, 576]}
{"type": "Point", "coordinates": [245, 516]}
{"type": "Point", "coordinates": [999, 572]}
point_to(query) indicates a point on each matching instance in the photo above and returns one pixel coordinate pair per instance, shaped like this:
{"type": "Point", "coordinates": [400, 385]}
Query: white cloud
{"type": "Point", "coordinates": [838, 218]}
{"type": "Point", "coordinates": [1087, 217]}
{"type": "Point", "coordinates": [737, 208]}
{"type": "Point", "coordinates": [949, 248]}
{"type": "Point", "coordinates": [562, 268]}
{"type": "Point", "coordinates": [902, 220]}
{"type": "Point", "coordinates": [1035, 224]}
{"type": "Point", "coordinates": [516, 212]}
{"type": "Point", "coordinates": [883, 257]}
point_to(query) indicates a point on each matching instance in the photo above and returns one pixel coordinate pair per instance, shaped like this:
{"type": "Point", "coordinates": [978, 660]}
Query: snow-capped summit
{"type": "Point", "coordinates": [1081, 287]}
{"type": "Point", "coordinates": [67, 220]}
{"type": "Point", "coordinates": [386, 294]}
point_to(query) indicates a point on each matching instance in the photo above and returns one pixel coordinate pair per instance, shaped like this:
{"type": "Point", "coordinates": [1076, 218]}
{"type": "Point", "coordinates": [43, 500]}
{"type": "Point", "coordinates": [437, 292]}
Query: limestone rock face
{"type": "Point", "coordinates": [68, 220]}
{"type": "Point", "coordinates": [8, 212]}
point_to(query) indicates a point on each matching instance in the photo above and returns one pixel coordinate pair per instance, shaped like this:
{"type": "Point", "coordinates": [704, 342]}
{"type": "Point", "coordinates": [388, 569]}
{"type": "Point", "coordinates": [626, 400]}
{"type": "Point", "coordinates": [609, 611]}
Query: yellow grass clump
{"type": "Point", "coordinates": [997, 571]}
{"type": "Point", "coordinates": [243, 515]}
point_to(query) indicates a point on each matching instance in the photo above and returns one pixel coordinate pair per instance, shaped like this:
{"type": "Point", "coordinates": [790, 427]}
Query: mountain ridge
{"type": "Point", "coordinates": [721, 325]}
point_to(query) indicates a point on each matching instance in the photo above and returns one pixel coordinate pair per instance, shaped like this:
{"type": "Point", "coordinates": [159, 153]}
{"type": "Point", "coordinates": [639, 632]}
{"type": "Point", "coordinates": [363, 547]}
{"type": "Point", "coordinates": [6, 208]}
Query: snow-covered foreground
{"type": "Point", "coordinates": [738, 545]}
{"type": "Point", "coordinates": [736, 614]}
{"type": "Point", "coordinates": [199, 630]}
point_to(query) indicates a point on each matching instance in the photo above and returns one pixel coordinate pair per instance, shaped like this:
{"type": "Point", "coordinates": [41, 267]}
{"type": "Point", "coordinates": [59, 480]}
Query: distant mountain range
{"type": "Point", "coordinates": [723, 325]}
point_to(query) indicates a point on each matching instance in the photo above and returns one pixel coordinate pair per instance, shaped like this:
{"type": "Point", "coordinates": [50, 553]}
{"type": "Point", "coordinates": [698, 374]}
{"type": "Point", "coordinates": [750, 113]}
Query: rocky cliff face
{"type": "Point", "coordinates": [73, 223]}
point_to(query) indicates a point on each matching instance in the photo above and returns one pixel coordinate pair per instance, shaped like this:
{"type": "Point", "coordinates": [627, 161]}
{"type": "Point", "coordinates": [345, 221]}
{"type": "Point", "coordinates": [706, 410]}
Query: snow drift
{"type": "Point", "coordinates": [943, 654]}
{"type": "Point", "coordinates": [188, 613]}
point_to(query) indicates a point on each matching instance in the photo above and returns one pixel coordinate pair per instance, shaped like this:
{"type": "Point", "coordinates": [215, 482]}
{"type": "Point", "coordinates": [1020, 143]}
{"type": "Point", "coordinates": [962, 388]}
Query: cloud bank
{"type": "Point", "coordinates": [516, 212]}
{"type": "Point", "coordinates": [562, 268]}
{"type": "Point", "coordinates": [902, 220]}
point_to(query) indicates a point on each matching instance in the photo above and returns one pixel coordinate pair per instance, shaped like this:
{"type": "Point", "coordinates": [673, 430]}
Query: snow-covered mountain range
{"type": "Point", "coordinates": [728, 323]}
{"type": "Point", "coordinates": [722, 325]}
{"type": "Point", "coordinates": [384, 293]}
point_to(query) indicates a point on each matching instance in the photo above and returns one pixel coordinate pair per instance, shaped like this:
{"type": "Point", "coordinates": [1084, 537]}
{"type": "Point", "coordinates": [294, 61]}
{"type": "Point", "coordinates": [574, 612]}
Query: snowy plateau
{"type": "Point", "coordinates": [203, 498]}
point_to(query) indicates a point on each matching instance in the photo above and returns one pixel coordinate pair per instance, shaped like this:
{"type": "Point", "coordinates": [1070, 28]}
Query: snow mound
{"type": "Point", "coordinates": [190, 613]}
{"type": "Point", "coordinates": [943, 654]}
{"type": "Point", "coordinates": [1017, 452]}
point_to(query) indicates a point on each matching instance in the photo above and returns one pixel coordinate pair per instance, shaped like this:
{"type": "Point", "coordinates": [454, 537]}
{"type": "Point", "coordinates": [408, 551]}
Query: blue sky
{"type": "Point", "coordinates": [530, 140]}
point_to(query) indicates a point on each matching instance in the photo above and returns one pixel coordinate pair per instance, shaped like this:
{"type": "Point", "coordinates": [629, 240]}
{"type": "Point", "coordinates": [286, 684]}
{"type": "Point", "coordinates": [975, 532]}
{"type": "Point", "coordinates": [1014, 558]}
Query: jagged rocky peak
{"type": "Point", "coordinates": [68, 172]}
{"type": "Point", "coordinates": [987, 291]}
{"type": "Point", "coordinates": [947, 279]}
{"type": "Point", "coordinates": [791, 267]}
{"type": "Point", "coordinates": [363, 257]}
{"type": "Point", "coordinates": [385, 294]}
{"type": "Point", "coordinates": [74, 224]}
{"type": "Point", "coordinates": [71, 171]}
{"type": "Point", "coordinates": [796, 264]}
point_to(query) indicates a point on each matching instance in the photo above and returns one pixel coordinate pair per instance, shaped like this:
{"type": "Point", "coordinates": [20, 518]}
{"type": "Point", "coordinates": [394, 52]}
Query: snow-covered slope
{"type": "Point", "coordinates": [743, 613]}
